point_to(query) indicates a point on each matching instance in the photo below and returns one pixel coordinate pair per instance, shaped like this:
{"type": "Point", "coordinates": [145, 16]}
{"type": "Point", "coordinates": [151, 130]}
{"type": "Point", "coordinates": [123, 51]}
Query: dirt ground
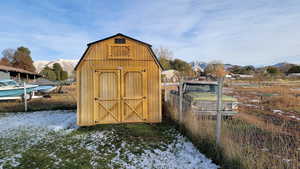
{"type": "Point", "coordinates": [274, 106]}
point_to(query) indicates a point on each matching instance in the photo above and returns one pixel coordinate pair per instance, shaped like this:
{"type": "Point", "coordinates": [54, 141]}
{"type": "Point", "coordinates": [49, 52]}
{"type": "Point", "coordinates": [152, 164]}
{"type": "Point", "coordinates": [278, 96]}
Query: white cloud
{"type": "Point", "coordinates": [238, 32]}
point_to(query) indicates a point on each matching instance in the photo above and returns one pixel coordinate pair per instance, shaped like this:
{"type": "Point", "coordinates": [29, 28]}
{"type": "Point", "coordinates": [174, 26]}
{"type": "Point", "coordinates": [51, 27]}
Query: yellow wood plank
{"type": "Point", "coordinates": [141, 59]}
{"type": "Point", "coordinates": [145, 93]}
{"type": "Point", "coordinates": [78, 97]}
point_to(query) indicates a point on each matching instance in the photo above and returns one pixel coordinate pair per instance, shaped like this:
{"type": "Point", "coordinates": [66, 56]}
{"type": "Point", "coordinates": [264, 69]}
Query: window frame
{"type": "Point", "coordinates": [129, 56]}
{"type": "Point", "coordinates": [120, 41]}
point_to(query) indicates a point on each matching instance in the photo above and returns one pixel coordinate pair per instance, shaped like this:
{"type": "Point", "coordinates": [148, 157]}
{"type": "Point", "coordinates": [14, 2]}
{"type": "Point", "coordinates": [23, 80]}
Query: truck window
{"type": "Point", "coordinates": [201, 88]}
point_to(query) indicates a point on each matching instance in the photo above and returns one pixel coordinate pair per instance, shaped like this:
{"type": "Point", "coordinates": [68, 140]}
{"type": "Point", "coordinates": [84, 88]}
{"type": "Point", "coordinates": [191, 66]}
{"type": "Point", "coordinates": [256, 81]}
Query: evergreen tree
{"type": "Point", "coordinates": [243, 70]}
{"type": "Point", "coordinates": [181, 66]}
{"type": "Point", "coordinates": [64, 75]}
{"type": "Point", "coordinates": [48, 73]}
{"type": "Point", "coordinates": [58, 71]}
{"type": "Point", "coordinates": [294, 69]}
{"type": "Point", "coordinates": [22, 59]}
{"type": "Point", "coordinates": [165, 63]}
{"type": "Point", "coordinates": [273, 70]}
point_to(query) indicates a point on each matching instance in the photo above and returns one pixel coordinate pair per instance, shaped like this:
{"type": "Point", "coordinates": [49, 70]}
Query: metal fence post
{"type": "Point", "coordinates": [165, 98]}
{"type": "Point", "coordinates": [180, 102]}
{"type": "Point", "coordinates": [25, 97]}
{"type": "Point", "coordinates": [219, 108]}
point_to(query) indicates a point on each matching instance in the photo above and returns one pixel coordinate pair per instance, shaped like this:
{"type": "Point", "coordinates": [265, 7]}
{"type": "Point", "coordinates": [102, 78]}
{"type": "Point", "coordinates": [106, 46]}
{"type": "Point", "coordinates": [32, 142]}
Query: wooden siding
{"type": "Point", "coordinates": [98, 58]}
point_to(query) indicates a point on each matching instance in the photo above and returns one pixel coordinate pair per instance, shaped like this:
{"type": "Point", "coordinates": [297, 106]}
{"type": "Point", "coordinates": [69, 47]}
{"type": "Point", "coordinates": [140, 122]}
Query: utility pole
{"type": "Point", "coordinates": [219, 109]}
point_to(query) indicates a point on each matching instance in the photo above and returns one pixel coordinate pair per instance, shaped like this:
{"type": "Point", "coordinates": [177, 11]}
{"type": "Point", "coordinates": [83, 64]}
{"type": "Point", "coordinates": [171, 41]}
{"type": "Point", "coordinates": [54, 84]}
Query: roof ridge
{"type": "Point", "coordinates": [120, 34]}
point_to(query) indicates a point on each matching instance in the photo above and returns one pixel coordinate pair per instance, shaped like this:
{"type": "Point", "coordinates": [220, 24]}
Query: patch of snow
{"type": "Point", "coordinates": [179, 154]}
{"type": "Point", "coordinates": [280, 112]}
{"type": "Point", "coordinates": [294, 117]}
{"type": "Point", "coordinates": [12, 160]}
{"type": "Point", "coordinates": [34, 127]}
{"type": "Point", "coordinates": [57, 160]}
{"type": "Point", "coordinates": [54, 120]}
{"type": "Point", "coordinates": [254, 101]}
{"type": "Point", "coordinates": [286, 160]}
{"type": "Point", "coordinates": [28, 129]}
{"type": "Point", "coordinates": [250, 105]}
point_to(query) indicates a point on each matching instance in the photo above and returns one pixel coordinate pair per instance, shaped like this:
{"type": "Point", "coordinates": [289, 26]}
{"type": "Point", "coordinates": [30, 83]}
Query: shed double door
{"type": "Point", "coordinates": [120, 95]}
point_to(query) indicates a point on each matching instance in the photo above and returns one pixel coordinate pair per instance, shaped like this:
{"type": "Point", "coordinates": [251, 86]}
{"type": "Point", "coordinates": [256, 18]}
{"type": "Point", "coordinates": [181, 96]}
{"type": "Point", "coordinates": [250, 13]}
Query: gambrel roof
{"type": "Point", "coordinates": [119, 34]}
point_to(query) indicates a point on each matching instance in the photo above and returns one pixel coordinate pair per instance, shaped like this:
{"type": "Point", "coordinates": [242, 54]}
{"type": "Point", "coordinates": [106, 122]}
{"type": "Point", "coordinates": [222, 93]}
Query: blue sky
{"type": "Point", "coordinates": [233, 31]}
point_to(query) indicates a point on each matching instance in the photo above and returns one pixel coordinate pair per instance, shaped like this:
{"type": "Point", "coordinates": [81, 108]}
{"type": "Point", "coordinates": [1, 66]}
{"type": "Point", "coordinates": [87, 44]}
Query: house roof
{"type": "Point", "coordinates": [13, 69]}
{"type": "Point", "coordinates": [119, 34]}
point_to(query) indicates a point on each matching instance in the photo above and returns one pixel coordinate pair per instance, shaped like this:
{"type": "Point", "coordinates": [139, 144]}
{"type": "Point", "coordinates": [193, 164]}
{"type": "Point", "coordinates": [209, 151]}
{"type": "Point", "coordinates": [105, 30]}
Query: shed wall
{"type": "Point", "coordinates": [97, 58]}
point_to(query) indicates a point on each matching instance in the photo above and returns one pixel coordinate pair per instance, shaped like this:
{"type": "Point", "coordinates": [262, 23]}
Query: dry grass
{"type": "Point", "coordinates": [257, 138]}
{"type": "Point", "coordinates": [57, 101]}
{"type": "Point", "coordinates": [263, 108]}
{"type": "Point", "coordinates": [243, 145]}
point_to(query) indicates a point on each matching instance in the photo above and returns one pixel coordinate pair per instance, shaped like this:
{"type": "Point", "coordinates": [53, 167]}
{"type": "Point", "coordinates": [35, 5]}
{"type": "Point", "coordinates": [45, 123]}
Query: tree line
{"type": "Point", "coordinates": [165, 57]}
{"type": "Point", "coordinates": [55, 73]}
{"type": "Point", "coordinates": [18, 58]}
{"type": "Point", "coordinates": [167, 62]}
{"type": "Point", "coordinates": [21, 58]}
{"type": "Point", "coordinates": [285, 69]}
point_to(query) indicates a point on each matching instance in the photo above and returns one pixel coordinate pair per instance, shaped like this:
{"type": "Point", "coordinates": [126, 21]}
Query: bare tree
{"type": "Point", "coordinates": [215, 69]}
{"type": "Point", "coordinates": [164, 57]}
{"type": "Point", "coordinates": [8, 57]}
{"type": "Point", "coordinates": [163, 52]}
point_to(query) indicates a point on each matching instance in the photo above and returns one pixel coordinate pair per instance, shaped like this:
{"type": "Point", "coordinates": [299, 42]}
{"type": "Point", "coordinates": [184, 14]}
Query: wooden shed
{"type": "Point", "coordinates": [118, 81]}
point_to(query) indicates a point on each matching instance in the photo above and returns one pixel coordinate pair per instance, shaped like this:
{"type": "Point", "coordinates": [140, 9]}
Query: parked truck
{"type": "Point", "coordinates": [201, 97]}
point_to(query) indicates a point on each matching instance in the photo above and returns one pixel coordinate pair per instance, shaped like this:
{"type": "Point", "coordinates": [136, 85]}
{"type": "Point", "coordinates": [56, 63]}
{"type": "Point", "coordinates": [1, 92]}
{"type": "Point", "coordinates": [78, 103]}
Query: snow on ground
{"type": "Point", "coordinates": [179, 154]}
{"type": "Point", "coordinates": [20, 131]}
{"type": "Point", "coordinates": [287, 114]}
{"type": "Point", "coordinates": [54, 120]}
{"type": "Point", "coordinates": [25, 130]}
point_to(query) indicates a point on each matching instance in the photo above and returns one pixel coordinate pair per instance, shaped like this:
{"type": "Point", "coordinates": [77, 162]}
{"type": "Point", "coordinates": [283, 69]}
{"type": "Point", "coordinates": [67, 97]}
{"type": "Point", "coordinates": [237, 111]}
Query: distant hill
{"type": "Point", "coordinates": [228, 66]}
{"type": "Point", "coordinates": [202, 65]}
{"type": "Point", "coordinates": [283, 66]}
{"type": "Point", "coordinates": [67, 65]}
{"type": "Point", "coordinates": [39, 65]}
{"type": "Point", "coordinates": [198, 64]}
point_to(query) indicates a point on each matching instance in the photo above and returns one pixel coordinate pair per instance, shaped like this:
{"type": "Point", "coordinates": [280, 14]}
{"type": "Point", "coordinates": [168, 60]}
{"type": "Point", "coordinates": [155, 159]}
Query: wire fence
{"type": "Point", "coordinates": [242, 145]}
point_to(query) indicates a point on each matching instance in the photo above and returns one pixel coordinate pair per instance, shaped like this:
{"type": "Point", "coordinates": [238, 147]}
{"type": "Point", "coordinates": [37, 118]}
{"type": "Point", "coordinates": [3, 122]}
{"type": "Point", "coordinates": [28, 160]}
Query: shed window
{"type": "Point", "coordinates": [120, 41]}
{"type": "Point", "coordinates": [119, 51]}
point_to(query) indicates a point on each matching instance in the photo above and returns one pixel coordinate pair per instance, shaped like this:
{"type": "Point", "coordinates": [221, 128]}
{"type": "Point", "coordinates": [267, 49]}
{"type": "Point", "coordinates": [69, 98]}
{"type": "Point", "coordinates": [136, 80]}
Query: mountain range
{"type": "Point", "coordinates": [69, 65]}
